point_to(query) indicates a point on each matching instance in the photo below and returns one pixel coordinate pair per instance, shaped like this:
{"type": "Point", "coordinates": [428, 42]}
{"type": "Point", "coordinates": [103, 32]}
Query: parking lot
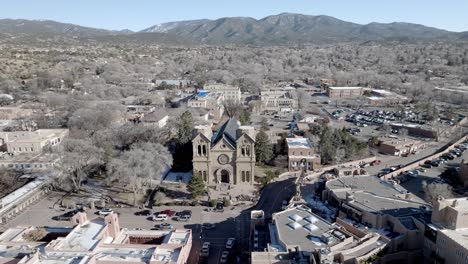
{"type": "Point", "coordinates": [230, 223]}
{"type": "Point", "coordinates": [414, 183]}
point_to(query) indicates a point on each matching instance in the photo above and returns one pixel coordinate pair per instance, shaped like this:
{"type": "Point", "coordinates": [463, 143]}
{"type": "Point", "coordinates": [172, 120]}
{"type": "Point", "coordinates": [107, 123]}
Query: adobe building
{"type": "Point", "coordinates": [463, 174]}
{"type": "Point", "coordinates": [446, 239]}
{"type": "Point", "coordinates": [397, 147]}
{"type": "Point", "coordinates": [374, 204]}
{"type": "Point", "coordinates": [344, 92]}
{"type": "Point", "coordinates": [300, 236]}
{"type": "Point", "coordinates": [97, 241]}
{"type": "Point", "coordinates": [31, 142]}
{"type": "Point", "coordinates": [225, 159]}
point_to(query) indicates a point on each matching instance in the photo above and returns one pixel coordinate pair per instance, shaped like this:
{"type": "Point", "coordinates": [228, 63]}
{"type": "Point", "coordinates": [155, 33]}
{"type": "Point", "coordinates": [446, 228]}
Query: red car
{"type": "Point", "coordinates": [168, 212]}
{"type": "Point", "coordinates": [376, 162]}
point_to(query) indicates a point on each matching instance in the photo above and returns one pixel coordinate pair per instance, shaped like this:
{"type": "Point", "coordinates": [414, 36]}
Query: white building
{"type": "Point", "coordinates": [32, 142]}
{"type": "Point", "coordinates": [232, 93]}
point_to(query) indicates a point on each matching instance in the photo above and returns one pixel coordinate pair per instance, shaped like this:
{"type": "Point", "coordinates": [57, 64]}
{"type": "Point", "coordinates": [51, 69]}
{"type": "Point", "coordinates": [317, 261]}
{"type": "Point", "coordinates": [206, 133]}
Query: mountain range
{"type": "Point", "coordinates": [282, 29]}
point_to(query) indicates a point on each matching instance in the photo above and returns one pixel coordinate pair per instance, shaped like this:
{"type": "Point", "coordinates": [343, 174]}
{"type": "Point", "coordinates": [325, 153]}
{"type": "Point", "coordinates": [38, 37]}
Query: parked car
{"type": "Point", "coordinates": [184, 212]}
{"type": "Point", "coordinates": [144, 213]}
{"type": "Point", "coordinates": [224, 257]}
{"type": "Point", "coordinates": [208, 226]}
{"type": "Point", "coordinates": [184, 218]}
{"type": "Point", "coordinates": [66, 216]}
{"type": "Point", "coordinates": [219, 207]}
{"type": "Point", "coordinates": [105, 211]}
{"type": "Point", "coordinates": [164, 226]}
{"type": "Point", "coordinates": [230, 242]}
{"type": "Point", "coordinates": [376, 162]}
{"type": "Point", "coordinates": [205, 251]}
{"type": "Point", "coordinates": [168, 212]}
{"type": "Point", "coordinates": [160, 217]}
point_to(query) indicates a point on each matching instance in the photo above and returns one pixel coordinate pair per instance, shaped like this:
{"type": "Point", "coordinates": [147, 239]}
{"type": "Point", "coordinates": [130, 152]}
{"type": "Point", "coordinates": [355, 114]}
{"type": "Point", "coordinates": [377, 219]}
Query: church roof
{"type": "Point", "coordinates": [227, 131]}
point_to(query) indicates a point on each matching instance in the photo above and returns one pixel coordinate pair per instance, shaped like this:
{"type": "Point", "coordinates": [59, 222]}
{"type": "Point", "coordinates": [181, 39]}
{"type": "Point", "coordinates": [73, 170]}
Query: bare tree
{"type": "Point", "coordinates": [432, 191]}
{"type": "Point", "coordinates": [232, 108]}
{"type": "Point", "coordinates": [97, 117]}
{"type": "Point", "coordinates": [79, 157]}
{"type": "Point", "coordinates": [139, 166]}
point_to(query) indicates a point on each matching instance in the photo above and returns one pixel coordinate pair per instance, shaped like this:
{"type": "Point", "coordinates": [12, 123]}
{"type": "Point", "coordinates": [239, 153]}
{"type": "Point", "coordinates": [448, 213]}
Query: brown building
{"type": "Point", "coordinates": [225, 159]}
{"type": "Point", "coordinates": [377, 205]}
{"type": "Point", "coordinates": [463, 174]}
{"type": "Point", "coordinates": [96, 241]}
{"type": "Point", "coordinates": [344, 92]}
{"type": "Point", "coordinates": [446, 240]}
{"type": "Point", "coordinates": [31, 142]}
{"type": "Point", "coordinates": [385, 98]}
{"type": "Point", "coordinates": [300, 236]}
{"type": "Point", "coordinates": [417, 130]}
{"type": "Point", "coordinates": [301, 154]}
{"type": "Point", "coordinates": [398, 147]}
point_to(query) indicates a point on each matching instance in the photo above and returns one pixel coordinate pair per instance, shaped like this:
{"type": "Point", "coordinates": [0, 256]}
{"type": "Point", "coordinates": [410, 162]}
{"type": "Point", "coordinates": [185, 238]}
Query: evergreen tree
{"type": "Point", "coordinates": [196, 186]}
{"type": "Point", "coordinates": [264, 124]}
{"type": "Point", "coordinates": [185, 127]}
{"type": "Point", "coordinates": [244, 116]}
{"type": "Point", "coordinates": [327, 146]}
{"type": "Point", "coordinates": [183, 148]}
{"type": "Point", "coordinates": [263, 147]}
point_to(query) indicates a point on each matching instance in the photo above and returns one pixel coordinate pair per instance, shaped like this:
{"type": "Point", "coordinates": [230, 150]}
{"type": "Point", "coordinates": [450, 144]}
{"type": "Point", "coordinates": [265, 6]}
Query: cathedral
{"type": "Point", "coordinates": [225, 159]}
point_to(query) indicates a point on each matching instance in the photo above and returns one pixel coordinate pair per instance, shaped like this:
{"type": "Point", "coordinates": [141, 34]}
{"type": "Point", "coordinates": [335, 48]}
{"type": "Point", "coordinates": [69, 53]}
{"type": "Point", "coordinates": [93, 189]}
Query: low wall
{"type": "Point", "coordinates": [421, 161]}
{"type": "Point", "coordinates": [346, 164]}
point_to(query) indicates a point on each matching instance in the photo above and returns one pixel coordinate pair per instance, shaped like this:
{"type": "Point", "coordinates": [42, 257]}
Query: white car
{"type": "Point", "coordinates": [105, 211]}
{"type": "Point", "coordinates": [224, 257]}
{"type": "Point", "coordinates": [230, 242]}
{"type": "Point", "coordinates": [205, 251]}
{"type": "Point", "coordinates": [160, 217]}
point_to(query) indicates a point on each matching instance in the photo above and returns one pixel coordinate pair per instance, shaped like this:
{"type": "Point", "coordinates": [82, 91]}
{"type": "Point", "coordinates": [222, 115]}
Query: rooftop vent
{"type": "Point", "coordinates": [311, 219]}
{"type": "Point", "coordinates": [310, 227]}
{"type": "Point", "coordinates": [294, 225]}
{"type": "Point", "coordinates": [295, 217]}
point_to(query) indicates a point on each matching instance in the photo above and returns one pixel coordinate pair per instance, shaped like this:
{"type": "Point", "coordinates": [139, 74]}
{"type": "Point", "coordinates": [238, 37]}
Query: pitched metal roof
{"type": "Point", "coordinates": [228, 131]}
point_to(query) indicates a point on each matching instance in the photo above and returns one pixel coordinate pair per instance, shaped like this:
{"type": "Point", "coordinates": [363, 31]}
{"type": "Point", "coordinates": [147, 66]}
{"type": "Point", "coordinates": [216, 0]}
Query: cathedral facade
{"type": "Point", "coordinates": [225, 159]}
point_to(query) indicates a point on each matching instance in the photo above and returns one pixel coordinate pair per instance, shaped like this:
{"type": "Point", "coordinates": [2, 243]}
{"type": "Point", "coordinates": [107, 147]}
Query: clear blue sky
{"type": "Point", "coordinates": [140, 14]}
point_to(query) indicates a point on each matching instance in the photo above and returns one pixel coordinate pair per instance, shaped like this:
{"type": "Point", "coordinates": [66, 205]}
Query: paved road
{"type": "Point", "coordinates": [274, 194]}
{"type": "Point", "coordinates": [233, 222]}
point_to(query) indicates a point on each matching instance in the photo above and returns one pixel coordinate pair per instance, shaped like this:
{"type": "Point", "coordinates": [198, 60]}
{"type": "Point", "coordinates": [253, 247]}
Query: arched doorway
{"type": "Point", "coordinates": [224, 176]}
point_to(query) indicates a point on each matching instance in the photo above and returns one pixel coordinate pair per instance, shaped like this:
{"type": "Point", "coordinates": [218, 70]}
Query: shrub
{"type": "Point", "coordinates": [213, 203]}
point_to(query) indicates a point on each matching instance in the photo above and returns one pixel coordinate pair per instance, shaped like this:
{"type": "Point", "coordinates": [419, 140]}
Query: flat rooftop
{"type": "Point", "coordinates": [84, 237]}
{"type": "Point", "coordinates": [298, 143]}
{"type": "Point", "coordinates": [461, 204]}
{"type": "Point", "coordinates": [133, 255]}
{"type": "Point", "coordinates": [298, 226]}
{"type": "Point", "coordinates": [374, 195]}
{"type": "Point", "coordinates": [33, 136]}
{"type": "Point", "coordinates": [345, 88]}
{"type": "Point", "coordinates": [459, 235]}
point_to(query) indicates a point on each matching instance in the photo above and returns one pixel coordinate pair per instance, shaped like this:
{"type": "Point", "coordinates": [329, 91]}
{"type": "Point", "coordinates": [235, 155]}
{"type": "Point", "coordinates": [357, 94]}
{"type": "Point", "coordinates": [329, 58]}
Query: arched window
{"type": "Point", "coordinates": [247, 176]}
{"type": "Point", "coordinates": [199, 150]}
{"type": "Point", "coordinates": [243, 151]}
{"type": "Point", "coordinates": [243, 176]}
{"type": "Point", "coordinates": [204, 150]}
{"type": "Point", "coordinates": [205, 178]}
{"type": "Point", "coordinates": [247, 150]}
